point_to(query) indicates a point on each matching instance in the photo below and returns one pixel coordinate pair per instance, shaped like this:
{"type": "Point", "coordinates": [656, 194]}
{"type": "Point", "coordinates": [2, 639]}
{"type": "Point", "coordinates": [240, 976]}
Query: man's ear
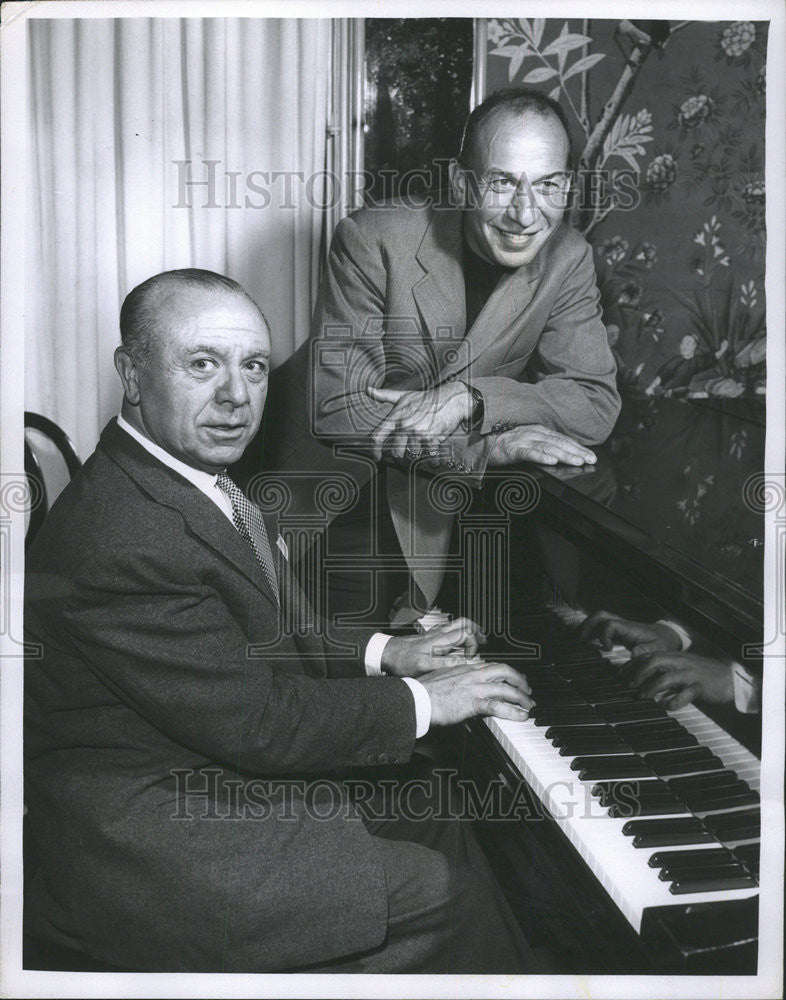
{"type": "Point", "coordinates": [129, 375]}
{"type": "Point", "coordinates": [459, 183]}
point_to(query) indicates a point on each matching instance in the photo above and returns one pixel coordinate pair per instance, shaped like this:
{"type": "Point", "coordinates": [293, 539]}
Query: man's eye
{"type": "Point", "coordinates": [500, 184]}
{"type": "Point", "coordinates": [257, 367]}
{"type": "Point", "coordinates": [553, 188]}
{"type": "Point", "coordinates": [202, 364]}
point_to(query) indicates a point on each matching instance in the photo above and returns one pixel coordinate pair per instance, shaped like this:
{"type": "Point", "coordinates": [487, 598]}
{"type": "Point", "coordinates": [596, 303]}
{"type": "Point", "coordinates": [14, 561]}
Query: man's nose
{"type": "Point", "coordinates": [233, 387]}
{"type": "Point", "coordinates": [523, 207]}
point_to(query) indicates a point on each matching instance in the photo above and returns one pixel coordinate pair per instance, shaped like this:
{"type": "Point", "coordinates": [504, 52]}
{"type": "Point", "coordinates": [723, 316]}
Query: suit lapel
{"type": "Point", "coordinates": [202, 516]}
{"type": "Point", "coordinates": [499, 323]}
{"type": "Point", "coordinates": [439, 294]}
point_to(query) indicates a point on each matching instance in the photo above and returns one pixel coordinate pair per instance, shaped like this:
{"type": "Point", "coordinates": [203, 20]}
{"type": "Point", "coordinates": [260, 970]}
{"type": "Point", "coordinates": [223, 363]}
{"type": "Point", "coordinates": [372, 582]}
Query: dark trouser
{"type": "Point", "coordinates": [446, 912]}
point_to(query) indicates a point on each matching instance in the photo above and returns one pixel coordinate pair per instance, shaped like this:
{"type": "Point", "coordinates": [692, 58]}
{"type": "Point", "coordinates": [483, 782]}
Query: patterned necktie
{"type": "Point", "coordinates": [249, 522]}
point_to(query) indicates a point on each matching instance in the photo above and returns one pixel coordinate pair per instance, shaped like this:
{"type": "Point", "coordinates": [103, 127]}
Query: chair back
{"type": "Point", "coordinates": [50, 462]}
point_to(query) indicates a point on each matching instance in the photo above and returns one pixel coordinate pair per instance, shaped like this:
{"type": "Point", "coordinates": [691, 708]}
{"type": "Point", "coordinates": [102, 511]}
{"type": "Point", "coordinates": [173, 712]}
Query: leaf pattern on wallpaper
{"type": "Point", "coordinates": [695, 148]}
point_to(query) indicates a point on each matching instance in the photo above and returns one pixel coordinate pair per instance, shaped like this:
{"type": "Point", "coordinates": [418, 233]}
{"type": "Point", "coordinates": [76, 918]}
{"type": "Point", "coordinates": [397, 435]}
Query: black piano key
{"type": "Point", "coordinates": [686, 756]}
{"type": "Point", "coordinates": [563, 716]}
{"type": "Point", "coordinates": [600, 685]}
{"type": "Point", "coordinates": [547, 687]}
{"type": "Point", "coordinates": [585, 671]}
{"type": "Point", "coordinates": [635, 826]}
{"type": "Point", "coordinates": [691, 859]}
{"type": "Point", "coordinates": [712, 803]}
{"type": "Point", "coordinates": [607, 699]}
{"type": "Point", "coordinates": [699, 782]}
{"type": "Point", "coordinates": [668, 805]}
{"type": "Point", "coordinates": [567, 657]}
{"type": "Point", "coordinates": [740, 824]}
{"type": "Point", "coordinates": [662, 741]}
{"type": "Point", "coordinates": [645, 727]}
{"type": "Point", "coordinates": [586, 748]}
{"type": "Point", "coordinates": [627, 789]}
{"type": "Point", "coordinates": [704, 872]}
{"type": "Point", "coordinates": [596, 738]}
{"type": "Point", "coordinates": [558, 699]}
{"type": "Point", "coordinates": [635, 802]}
{"type": "Point", "coordinates": [555, 733]}
{"type": "Point", "coordinates": [635, 711]}
{"type": "Point", "coordinates": [669, 770]}
{"type": "Point", "coordinates": [749, 855]}
{"type": "Point", "coordinates": [666, 838]}
{"type": "Point", "coordinates": [603, 768]}
{"type": "Point", "coordinates": [718, 884]}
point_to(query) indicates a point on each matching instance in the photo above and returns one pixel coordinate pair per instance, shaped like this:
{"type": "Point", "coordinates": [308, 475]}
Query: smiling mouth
{"type": "Point", "coordinates": [517, 237]}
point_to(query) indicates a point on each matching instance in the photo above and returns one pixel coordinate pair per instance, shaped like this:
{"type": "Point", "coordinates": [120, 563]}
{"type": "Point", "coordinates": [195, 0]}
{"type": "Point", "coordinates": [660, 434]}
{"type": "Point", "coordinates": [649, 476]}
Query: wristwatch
{"type": "Point", "coordinates": [478, 410]}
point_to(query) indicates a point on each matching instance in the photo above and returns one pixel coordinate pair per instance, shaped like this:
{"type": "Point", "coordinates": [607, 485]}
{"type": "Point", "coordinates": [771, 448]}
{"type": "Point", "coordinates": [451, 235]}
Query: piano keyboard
{"type": "Point", "coordinates": [662, 806]}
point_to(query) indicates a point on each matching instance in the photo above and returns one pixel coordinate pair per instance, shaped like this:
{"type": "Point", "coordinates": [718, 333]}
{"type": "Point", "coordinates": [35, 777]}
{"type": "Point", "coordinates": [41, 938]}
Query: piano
{"type": "Point", "coordinates": [639, 847]}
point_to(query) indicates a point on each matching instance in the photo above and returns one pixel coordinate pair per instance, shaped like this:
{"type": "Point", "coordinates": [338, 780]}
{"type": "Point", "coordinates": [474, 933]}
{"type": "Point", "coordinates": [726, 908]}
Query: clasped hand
{"type": "Point", "coordinates": [419, 421]}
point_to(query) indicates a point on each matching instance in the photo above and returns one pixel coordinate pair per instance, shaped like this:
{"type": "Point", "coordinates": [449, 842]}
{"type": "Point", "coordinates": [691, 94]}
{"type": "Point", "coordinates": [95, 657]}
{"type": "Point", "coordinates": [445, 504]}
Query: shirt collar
{"type": "Point", "coordinates": [202, 480]}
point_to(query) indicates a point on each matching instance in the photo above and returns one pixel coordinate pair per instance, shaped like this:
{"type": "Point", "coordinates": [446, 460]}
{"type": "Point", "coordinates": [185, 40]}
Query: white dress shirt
{"type": "Point", "coordinates": [206, 483]}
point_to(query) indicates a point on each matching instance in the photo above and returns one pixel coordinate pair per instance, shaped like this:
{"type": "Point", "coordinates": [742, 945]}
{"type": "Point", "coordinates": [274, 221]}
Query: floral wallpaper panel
{"type": "Point", "coordinates": [668, 127]}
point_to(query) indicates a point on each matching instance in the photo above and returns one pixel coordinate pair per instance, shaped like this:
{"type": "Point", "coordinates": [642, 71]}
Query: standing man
{"type": "Point", "coordinates": [451, 339]}
{"type": "Point", "coordinates": [180, 743]}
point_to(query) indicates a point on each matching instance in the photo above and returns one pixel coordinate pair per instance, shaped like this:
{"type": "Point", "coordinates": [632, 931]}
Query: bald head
{"type": "Point", "coordinates": [150, 309]}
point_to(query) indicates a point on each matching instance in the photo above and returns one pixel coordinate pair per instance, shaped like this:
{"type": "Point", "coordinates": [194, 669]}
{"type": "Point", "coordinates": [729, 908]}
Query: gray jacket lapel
{"type": "Point", "coordinates": [439, 294]}
{"type": "Point", "coordinates": [499, 323]}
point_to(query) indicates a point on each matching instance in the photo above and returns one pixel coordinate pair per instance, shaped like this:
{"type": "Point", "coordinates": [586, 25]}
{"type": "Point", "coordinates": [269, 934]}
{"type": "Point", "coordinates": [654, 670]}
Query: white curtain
{"type": "Point", "coordinates": [117, 109]}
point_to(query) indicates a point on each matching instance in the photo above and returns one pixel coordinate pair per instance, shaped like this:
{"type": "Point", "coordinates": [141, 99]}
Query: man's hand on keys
{"type": "Point", "coordinates": [477, 688]}
{"type": "Point", "coordinates": [446, 645]}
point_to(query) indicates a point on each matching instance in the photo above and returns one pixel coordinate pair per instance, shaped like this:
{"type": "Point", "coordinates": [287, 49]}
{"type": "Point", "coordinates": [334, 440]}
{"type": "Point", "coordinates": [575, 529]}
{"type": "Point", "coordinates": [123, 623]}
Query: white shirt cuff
{"type": "Point", "coordinates": [422, 706]}
{"type": "Point", "coordinates": [747, 690]}
{"type": "Point", "coordinates": [683, 636]}
{"type": "Point", "coordinates": [373, 655]}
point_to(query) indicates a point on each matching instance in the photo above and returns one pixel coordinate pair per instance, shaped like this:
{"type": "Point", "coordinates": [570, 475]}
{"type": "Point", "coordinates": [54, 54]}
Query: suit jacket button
{"type": "Point", "coordinates": [394, 757]}
{"type": "Point", "coordinates": [462, 467]}
{"type": "Point", "coordinates": [451, 464]}
{"type": "Point", "coordinates": [371, 759]}
{"type": "Point", "coordinates": [382, 758]}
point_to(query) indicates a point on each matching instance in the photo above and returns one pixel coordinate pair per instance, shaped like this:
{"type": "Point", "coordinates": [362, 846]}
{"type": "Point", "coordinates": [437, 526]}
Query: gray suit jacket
{"type": "Point", "coordinates": [161, 656]}
{"type": "Point", "coordinates": [391, 312]}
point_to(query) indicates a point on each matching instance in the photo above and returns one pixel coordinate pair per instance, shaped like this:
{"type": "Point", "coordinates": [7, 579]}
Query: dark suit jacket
{"type": "Point", "coordinates": [144, 600]}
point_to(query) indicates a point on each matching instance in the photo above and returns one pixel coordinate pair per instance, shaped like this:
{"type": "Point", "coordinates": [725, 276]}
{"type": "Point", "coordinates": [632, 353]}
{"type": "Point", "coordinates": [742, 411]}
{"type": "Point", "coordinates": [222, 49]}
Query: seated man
{"type": "Point", "coordinates": [448, 338]}
{"type": "Point", "coordinates": [181, 742]}
{"type": "Point", "coordinates": [661, 667]}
